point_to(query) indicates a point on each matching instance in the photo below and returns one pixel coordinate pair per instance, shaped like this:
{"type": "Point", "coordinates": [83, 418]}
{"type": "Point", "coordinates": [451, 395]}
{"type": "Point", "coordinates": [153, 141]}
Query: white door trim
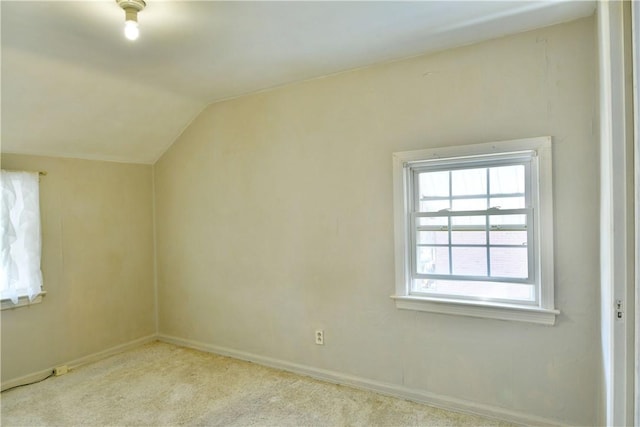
{"type": "Point", "coordinates": [635, 24]}
{"type": "Point", "coordinates": [616, 212]}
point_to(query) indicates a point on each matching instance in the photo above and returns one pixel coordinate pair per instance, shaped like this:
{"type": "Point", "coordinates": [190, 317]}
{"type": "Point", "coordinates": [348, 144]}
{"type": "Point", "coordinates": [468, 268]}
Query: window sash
{"type": "Point", "coordinates": [449, 296]}
{"type": "Point", "coordinates": [413, 171]}
{"type": "Point", "coordinates": [528, 212]}
{"type": "Point", "coordinates": [470, 162]}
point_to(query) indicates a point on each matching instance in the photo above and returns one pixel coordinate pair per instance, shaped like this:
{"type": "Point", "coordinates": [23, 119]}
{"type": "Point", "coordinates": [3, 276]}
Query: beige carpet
{"type": "Point", "coordinates": [160, 384]}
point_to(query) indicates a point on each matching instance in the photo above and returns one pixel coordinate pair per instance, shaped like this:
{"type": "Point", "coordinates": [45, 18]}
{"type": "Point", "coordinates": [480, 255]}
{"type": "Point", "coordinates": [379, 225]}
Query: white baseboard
{"type": "Point", "coordinates": [393, 390]}
{"type": "Point", "coordinates": [73, 364]}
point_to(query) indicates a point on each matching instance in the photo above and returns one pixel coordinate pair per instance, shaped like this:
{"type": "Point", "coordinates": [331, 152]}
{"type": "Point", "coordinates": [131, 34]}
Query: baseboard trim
{"type": "Point", "coordinates": [73, 364]}
{"type": "Point", "coordinates": [393, 390]}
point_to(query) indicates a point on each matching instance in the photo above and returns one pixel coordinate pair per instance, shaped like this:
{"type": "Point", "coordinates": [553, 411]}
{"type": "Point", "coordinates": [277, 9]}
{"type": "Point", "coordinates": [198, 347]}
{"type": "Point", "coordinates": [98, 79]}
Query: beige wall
{"type": "Point", "coordinates": [274, 218]}
{"type": "Point", "coordinates": [97, 262]}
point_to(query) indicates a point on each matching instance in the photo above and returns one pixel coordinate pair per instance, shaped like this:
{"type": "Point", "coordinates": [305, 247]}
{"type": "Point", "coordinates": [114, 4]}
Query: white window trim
{"type": "Point", "coordinates": [543, 313]}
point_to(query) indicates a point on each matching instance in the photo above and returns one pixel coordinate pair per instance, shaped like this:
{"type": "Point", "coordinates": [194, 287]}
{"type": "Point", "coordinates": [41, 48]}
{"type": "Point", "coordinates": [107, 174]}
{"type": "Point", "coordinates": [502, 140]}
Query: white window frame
{"type": "Point", "coordinates": [542, 310]}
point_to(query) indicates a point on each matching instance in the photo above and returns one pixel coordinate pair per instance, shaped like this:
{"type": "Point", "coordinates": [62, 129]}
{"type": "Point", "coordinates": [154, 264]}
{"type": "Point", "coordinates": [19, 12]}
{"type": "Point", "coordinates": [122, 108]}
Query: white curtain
{"type": "Point", "coordinates": [20, 273]}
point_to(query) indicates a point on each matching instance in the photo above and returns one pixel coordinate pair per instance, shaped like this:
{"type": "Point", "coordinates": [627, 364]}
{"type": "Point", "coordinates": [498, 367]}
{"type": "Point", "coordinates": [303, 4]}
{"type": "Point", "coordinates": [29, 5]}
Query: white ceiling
{"type": "Point", "coordinates": [72, 85]}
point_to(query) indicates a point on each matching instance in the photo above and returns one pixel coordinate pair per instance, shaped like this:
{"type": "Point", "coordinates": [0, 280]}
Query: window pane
{"type": "Point", "coordinates": [469, 261]}
{"type": "Point", "coordinates": [466, 182]}
{"type": "Point", "coordinates": [434, 260]}
{"type": "Point", "coordinates": [509, 262]}
{"type": "Point", "coordinates": [468, 237]}
{"type": "Point", "coordinates": [508, 237]}
{"type": "Point", "coordinates": [507, 202]}
{"type": "Point", "coordinates": [469, 204]}
{"type": "Point", "coordinates": [433, 237]}
{"type": "Point", "coordinates": [433, 184]}
{"type": "Point", "coordinates": [472, 289]}
{"type": "Point", "coordinates": [508, 221]}
{"type": "Point", "coordinates": [476, 222]}
{"type": "Point", "coordinates": [434, 205]}
{"type": "Point", "coordinates": [506, 179]}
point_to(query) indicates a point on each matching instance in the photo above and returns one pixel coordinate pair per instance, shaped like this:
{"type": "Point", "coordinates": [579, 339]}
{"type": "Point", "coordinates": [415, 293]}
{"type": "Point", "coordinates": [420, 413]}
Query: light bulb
{"type": "Point", "coordinates": [131, 30]}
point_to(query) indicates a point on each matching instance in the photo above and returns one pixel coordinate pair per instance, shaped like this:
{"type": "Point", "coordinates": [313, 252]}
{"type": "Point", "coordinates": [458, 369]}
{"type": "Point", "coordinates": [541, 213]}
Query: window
{"type": "Point", "coordinates": [474, 230]}
{"type": "Point", "coordinates": [20, 275]}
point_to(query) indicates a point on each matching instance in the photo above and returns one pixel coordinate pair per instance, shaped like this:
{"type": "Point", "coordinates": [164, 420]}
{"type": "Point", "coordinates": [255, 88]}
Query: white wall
{"type": "Point", "coordinates": [274, 218]}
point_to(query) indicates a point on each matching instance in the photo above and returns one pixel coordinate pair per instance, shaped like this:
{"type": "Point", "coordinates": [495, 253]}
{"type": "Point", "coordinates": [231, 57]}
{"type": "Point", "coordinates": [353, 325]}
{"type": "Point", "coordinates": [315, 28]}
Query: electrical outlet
{"type": "Point", "coordinates": [60, 370]}
{"type": "Point", "coordinates": [319, 337]}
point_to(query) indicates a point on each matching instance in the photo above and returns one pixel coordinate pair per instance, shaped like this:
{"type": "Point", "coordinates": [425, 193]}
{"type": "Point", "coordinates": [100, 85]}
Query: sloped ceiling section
{"type": "Point", "coordinates": [73, 86]}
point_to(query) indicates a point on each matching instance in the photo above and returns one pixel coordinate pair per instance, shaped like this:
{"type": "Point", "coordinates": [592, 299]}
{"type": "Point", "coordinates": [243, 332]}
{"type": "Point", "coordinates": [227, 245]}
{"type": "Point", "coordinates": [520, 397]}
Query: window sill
{"type": "Point", "coordinates": [476, 309]}
{"type": "Point", "coordinates": [22, 302]}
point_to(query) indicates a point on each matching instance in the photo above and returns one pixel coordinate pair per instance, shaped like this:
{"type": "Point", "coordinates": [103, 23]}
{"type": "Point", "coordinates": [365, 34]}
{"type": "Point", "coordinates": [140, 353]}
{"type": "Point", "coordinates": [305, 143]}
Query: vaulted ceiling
{"type": "Point", "coordinates": [73, 86]}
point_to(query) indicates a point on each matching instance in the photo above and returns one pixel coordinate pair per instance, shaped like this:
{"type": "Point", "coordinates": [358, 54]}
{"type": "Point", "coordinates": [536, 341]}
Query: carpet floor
{"type": "Point", "coordinates": [160, 384]}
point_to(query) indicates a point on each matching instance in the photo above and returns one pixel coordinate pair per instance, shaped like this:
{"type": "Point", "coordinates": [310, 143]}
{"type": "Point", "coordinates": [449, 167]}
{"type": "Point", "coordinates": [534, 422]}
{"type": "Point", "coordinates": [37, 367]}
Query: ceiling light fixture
{"type": "Point", "coordinates": [131, 9]}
